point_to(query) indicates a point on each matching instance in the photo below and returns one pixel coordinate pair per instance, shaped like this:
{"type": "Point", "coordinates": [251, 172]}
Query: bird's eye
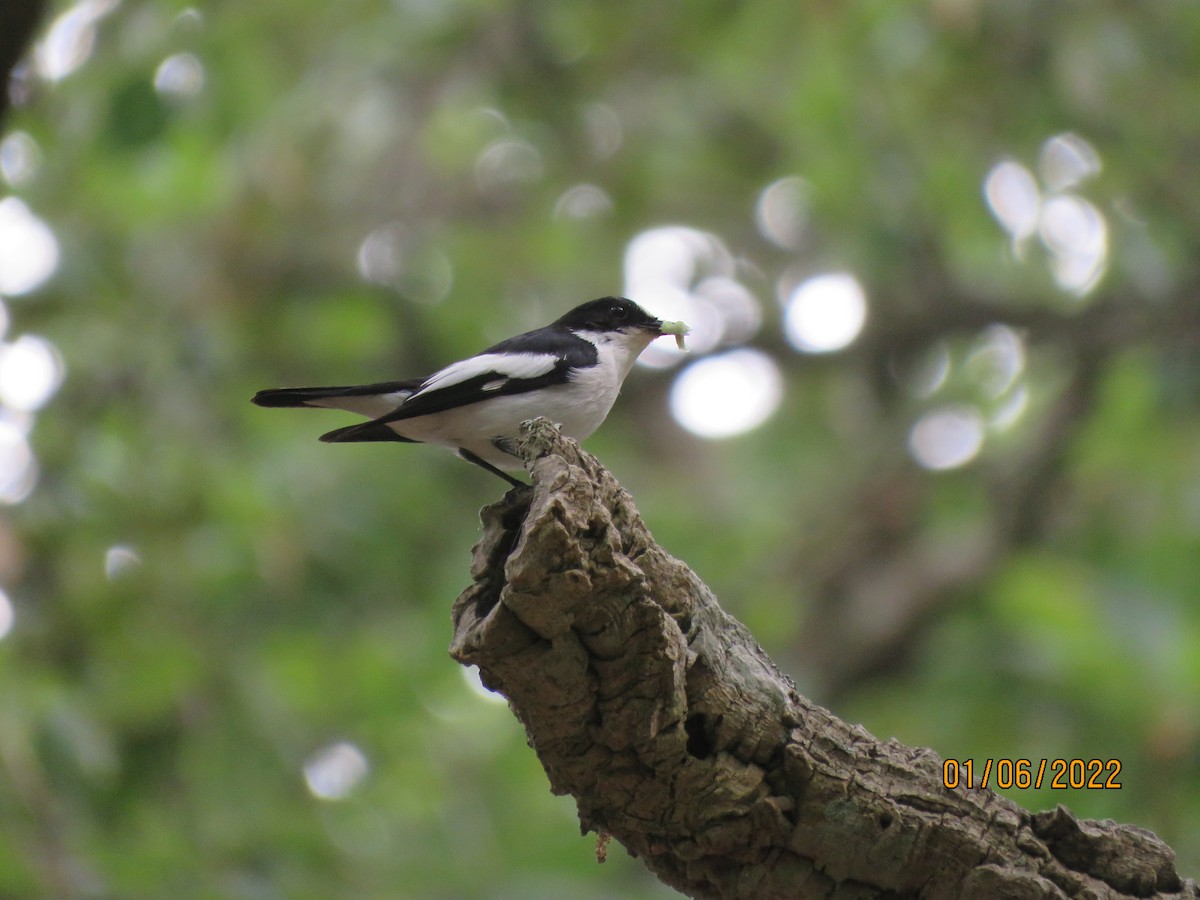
{"type": "Point", "coordinates": [618, 312]}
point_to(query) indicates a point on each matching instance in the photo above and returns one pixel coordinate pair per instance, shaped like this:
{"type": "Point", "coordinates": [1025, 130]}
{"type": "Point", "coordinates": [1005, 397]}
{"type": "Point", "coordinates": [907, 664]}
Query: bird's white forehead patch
{"type": "Point", "coordinates": [502, 365]}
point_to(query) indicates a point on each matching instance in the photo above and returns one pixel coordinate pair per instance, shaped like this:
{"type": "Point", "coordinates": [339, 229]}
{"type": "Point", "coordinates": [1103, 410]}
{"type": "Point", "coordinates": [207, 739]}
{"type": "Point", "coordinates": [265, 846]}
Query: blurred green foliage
{"type": "Point", "coordinates": [206, 600]}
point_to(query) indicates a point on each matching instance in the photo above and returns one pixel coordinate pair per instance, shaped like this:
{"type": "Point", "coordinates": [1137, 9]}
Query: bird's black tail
{"type": "Point", "coordinates": [288, 396]}
{"type": "Point", "coordinates": [313, 396]}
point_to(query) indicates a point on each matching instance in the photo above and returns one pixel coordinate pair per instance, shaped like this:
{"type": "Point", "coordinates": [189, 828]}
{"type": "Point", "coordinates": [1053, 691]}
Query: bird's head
{"type": "Point", "coordinates": [618, 316]}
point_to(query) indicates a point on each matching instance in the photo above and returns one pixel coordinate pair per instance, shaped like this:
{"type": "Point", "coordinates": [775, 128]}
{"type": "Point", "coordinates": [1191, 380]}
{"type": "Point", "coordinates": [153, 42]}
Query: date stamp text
{"type": "Point", "coordinates": [1058, 774]}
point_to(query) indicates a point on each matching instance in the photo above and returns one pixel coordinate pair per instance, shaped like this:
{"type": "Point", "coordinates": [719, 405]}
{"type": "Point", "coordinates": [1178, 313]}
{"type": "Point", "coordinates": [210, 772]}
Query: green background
{"type": "Point", "coordinates": [270, 597]}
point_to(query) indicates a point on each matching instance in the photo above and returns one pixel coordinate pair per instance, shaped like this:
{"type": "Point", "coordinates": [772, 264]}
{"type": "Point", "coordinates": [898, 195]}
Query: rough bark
{"type": "Point", "coordinates": [677, 735]}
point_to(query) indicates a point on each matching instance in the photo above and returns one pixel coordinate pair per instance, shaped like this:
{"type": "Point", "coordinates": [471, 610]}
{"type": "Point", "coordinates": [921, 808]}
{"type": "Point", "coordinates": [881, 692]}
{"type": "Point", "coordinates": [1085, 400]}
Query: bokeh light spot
{"type": "Point", "coordinates": [506, 163]}
{"type": "Point", "coordinates": [673, 255]}
{"type": "Point", "coordinates": [7, 615]}
{"type": "Point", "coordinates": [726, 395]}
{"type": "Point", "coordinates": [28, 248]}
{"type": "Point", "coordinates": [825, 313]}
{"type": "Point", "coordinates": [582, 201]}
{"type": "Point", "coordinates": [947, 437]}
{"type": "Point", "coordinates": [393, 256]}
{"type": "Point", "coordinates": [120, 559]}
{"type": "Point", "coordinates": [1014, 198]}
{"type": "Point", "coordinates": [31, 369]}
{"type": "Point", "coordinates": [20, 157]}
{"type": "Point", "coordinates": [1076, 234]}
{"type": "Point", "coordinates": [1066, 160]}
{"type": "Point", "coordinates": [189, 19]}
{"type": "Point", "coordinates": [1009, 412]}
{"type": "Point", "coordinates": [604, 129]}
{"type": "Point", "coordinates": [180, 75]}
{"type": "Point", "coordinates": [997, 359]}
{"type": "Point", "coordinates": [334, 771]}
{"type": "Point", "coordinates": [929, 372]}
{"type": "Point", "coordinates": [18, 468]}
{"type": "Point", "coordinates": [70, 39]}
{"type": "Point", "coordinates": [740, 312]}
{"type": "Point", "coordinates": [782, 212]}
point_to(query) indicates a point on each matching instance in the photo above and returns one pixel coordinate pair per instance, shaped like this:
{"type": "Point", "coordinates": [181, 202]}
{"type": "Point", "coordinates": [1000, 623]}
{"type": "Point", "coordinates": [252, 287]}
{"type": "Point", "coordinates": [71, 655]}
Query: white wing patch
{"type": "Point", "coordinates": [505, 365]}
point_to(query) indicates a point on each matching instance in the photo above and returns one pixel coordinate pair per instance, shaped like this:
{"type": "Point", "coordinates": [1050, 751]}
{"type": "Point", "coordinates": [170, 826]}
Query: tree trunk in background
{"type": "Point", "coordinates": [18, 19]}
{"type": "Point", "coordinates": [677, 735]}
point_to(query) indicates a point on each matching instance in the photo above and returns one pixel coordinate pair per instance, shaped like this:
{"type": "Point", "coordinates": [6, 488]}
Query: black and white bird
{"type": "Point", "coordinates": [569, 371]}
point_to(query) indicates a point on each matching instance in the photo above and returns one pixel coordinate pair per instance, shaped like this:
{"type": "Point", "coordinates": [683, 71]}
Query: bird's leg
{"type": "Point", "coordinates": [472, 458]}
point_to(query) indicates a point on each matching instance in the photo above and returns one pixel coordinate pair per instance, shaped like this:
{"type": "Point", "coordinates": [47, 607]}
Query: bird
{"type": "Point", "coordinates": [569, 371]}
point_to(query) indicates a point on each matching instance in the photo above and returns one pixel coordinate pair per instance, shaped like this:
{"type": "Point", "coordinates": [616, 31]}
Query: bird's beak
{"type": "Point", "coordinates": [676, 328]}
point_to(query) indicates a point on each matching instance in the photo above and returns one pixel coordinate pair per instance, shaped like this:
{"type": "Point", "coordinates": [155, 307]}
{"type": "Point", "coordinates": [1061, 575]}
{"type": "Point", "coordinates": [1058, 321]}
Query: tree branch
{"type": "Point", "coordinates": [677, 735]}
{"type": "Point", "coordinates": [876, 594]}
